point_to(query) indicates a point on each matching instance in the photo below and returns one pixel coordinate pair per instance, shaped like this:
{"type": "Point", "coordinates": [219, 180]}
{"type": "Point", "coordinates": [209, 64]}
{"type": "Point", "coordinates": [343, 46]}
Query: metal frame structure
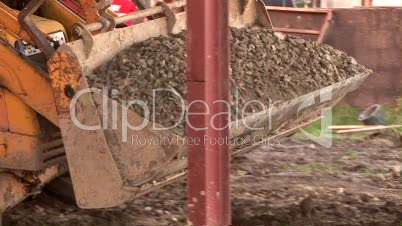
{"type": "Point", "coordinates": [207, 82]}
{"type": "Point", "coordinates": [295, 12]}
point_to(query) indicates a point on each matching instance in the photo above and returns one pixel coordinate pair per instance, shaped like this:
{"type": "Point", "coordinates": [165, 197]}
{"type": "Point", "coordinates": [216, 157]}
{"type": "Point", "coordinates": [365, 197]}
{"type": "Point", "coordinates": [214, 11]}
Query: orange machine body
{"type": "Point", "coordinates": [29, 137]}
{"type": "Point", "coordinates": [31, 147]}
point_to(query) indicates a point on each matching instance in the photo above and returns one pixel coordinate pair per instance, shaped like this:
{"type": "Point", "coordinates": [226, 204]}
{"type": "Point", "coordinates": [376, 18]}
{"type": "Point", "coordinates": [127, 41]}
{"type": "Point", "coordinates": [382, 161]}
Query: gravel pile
{"type": "Point", "coordinates": [265, 66]}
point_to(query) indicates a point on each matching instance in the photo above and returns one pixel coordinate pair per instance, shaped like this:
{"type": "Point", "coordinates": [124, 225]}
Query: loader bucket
{"type": "Point", "coordinates": [107, 171]}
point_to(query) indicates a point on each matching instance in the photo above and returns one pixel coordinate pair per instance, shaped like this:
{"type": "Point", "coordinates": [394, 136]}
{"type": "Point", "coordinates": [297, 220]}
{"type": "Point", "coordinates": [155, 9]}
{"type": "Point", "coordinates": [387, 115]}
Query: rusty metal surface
{"type": "Point", "coordinates": [12, 191]}
{"type": "Point", "coordinates": [9, 19]}
{"type": "Point", "coordinates": [89, 9]}
{"type": "Point", "coordinates": [16, 186]}
{"type": "Point", "coordinates": [307, 23]}
{"type": "Point", "coordinates": [37, 36]}
{"type": "Point", "coordinates": [325, 27]}
{"type": "Point", "coordinates": [96, 179]}
{"type": "Point", "coordinates": [64, 71]}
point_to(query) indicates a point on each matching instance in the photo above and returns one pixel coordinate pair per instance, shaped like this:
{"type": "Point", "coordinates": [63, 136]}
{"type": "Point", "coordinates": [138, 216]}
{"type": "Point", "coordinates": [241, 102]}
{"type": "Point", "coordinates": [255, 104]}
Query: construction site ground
{"type": "Point", "coordinates": [296, 182]}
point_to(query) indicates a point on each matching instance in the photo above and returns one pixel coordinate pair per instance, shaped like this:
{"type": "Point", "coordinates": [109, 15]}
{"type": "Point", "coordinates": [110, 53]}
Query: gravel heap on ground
{"type": "Point", "coordinates": [265, 65]}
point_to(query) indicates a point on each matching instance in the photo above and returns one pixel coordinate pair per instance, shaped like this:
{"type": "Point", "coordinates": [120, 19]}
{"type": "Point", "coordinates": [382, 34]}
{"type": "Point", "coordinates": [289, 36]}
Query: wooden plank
{"type": "Point", "coordinates": [344, 127]}
{"type": "Point", "coordinates": [299, 10]}
{"type": "Point", "coordinates": [369, 129]}
{"type": "Point", "coordinates": [298, 31]}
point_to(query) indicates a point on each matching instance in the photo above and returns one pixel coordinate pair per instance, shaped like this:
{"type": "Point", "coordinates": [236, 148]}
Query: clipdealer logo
{"type": "Point", "coordinates": [122, 121]}
{"type": "Point", "coordinates": [169, 141]}
{"type": "Point", "coordinates": [325, 137]}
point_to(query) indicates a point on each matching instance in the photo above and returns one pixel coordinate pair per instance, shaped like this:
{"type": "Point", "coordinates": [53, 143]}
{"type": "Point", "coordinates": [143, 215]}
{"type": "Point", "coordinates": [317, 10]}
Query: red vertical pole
{"type": "Point", "coordinates": [208, 81]}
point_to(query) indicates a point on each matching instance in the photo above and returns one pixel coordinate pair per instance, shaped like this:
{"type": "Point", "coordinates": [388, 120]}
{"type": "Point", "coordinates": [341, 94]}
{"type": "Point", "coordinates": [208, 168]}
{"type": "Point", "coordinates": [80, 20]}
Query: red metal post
{"type": "Point", "coordinates": [208, 143]}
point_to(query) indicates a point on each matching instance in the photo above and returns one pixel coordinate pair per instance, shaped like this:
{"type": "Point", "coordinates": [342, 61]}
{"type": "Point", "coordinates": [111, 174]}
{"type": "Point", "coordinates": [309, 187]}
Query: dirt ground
{"type": "Point", "coordinates": [295, 183]}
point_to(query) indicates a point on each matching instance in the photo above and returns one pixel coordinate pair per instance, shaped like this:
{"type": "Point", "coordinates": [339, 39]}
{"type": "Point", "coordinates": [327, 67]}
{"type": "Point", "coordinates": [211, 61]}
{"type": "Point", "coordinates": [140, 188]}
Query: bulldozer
{"type": "Point", "coordinates": [47, 50]}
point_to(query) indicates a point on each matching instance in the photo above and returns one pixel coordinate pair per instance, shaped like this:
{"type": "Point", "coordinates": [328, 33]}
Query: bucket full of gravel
{"type": "Point", "coordinates": [279, 83]}
{"type": "Point", "coordinates": [266, 66]}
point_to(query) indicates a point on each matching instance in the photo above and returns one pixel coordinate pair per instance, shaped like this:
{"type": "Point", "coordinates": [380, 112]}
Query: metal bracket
{"type": "Point", "coordinates": [110, 21]}
{"type": "Point", "coordinates": [170, 16]}
{"type": "Point", "coordinates": [39, 38]}
{"type": "Point", "coordinates": [81, 31]}
{"type": "Point", "coordinates": [105, 24]}
{"type": "Point", "coordinates": [106, 19]}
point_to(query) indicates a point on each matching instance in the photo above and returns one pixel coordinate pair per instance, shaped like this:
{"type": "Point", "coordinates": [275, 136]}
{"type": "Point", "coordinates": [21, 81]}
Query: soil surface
{"type": "Point", "coordinates": [353, 183]}
{"type": "Point", "coordinates": [265, 65]}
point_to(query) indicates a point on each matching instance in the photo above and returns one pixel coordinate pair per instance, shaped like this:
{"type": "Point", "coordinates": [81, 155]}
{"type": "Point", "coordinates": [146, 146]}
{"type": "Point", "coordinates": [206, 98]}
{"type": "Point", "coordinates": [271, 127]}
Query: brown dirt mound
{"type": "Point", "coordinates": [265, 65]}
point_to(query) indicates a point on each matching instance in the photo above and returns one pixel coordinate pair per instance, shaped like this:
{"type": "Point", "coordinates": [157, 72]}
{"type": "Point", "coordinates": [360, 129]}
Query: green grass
{"type": "Point", "coordinates": [350, 154]}
{"type": "Point", "coordinates": [344, 114]}
{"type": "Point", "coordinates": [368, 173]}
{"type": "Point", "coordinates": [393, 115]}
